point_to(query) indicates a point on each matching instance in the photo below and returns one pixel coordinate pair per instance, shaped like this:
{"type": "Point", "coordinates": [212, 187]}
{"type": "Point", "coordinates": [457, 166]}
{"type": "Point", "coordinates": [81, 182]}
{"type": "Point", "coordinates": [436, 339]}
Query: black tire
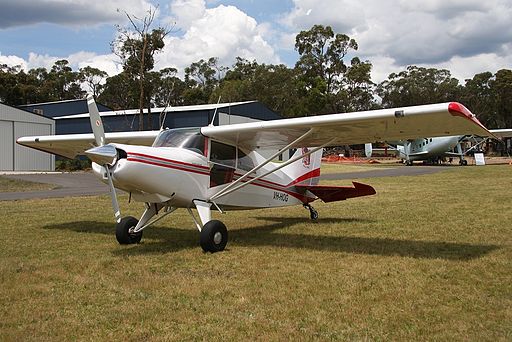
{"type": "Point", "coordinates": [123, 236]}
{"type": "Point", "coordinates": [313, 214]}
{"type": "Point", "coordinates": [464, 162]}
{"type": "Point", "coordinates": [213, 237]}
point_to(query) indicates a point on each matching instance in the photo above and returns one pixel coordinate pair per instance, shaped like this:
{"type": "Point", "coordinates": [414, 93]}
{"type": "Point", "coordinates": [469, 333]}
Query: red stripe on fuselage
{"type": "Point", "coordinates": [168, 166]}
{"type": "Point", "coordinates": [168, 160]}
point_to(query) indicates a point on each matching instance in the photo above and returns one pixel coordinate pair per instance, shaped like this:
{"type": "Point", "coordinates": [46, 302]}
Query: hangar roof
{"type": "Point", "coordinates": [159, 110]}
{"type": "Point", "coordinates": [57, 109]}
{"type": "Point", "coordinates": [10, 113]}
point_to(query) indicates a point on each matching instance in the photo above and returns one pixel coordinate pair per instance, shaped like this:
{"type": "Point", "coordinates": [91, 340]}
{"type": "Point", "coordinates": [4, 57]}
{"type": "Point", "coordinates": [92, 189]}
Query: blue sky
{"type": "Point", "coordinates": [464, 36]}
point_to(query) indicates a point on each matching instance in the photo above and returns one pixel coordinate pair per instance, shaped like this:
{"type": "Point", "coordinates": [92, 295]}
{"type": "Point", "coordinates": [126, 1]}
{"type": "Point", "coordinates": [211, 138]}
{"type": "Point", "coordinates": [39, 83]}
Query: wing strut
{"type": "Point", "coordinates": [232, 189]}
{"type": "Point", "coordinates": [256, 168]}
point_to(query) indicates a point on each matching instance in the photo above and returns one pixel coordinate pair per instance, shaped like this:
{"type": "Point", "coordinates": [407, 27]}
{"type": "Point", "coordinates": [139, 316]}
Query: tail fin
{"type": "Point", "coordinates": [305, 171]}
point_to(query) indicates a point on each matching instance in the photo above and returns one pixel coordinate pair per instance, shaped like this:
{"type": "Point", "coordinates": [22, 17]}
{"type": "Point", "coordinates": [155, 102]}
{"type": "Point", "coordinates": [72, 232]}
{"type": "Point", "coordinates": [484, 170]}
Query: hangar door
{"type": "Point", "coordinates": [27, 159]}
{"type": "Point", "coordinates": [6, 146]}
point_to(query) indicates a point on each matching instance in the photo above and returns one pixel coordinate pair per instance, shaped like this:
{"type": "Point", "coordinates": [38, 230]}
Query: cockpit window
{"type": "Point", "coordinates": [244, 161]}
{"type": "Point", "coordinates": [190, 139]}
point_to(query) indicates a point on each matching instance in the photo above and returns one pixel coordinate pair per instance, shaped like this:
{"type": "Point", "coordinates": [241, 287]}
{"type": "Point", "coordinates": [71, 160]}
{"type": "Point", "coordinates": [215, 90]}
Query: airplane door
{"type": "Point", "coordinates": [222, 161]}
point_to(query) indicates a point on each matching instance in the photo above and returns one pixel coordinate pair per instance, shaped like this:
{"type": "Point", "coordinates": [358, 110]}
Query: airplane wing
{"type": "Point", "coordinates": [71, 145]}
{"type": "Point", "coordinates": [352, 128]}
{"type": "Point", "coordinates": [418, 154]}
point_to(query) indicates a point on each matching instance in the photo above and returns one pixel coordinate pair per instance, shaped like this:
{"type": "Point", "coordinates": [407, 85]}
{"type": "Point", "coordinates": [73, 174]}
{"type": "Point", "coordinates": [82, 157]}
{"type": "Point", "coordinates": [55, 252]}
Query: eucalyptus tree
{"type": "Point", "coordinates": [137, 45]}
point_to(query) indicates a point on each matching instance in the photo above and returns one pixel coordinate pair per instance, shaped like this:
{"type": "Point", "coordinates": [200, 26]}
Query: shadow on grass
{"type": "Point", "coordinates": [168, 240]}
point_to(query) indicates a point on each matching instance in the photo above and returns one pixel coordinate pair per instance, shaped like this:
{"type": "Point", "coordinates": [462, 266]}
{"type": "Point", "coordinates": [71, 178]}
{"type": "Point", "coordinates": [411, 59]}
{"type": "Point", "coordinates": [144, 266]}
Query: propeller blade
{"type": "Point", "coordinates": [113, 196]}
{"type": "Point", "coordinates": [96, 123]}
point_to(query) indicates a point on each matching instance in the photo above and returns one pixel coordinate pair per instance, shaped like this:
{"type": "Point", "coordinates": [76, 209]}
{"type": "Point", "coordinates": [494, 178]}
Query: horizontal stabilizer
{"type": "Point", "coordinates": [329, 193]}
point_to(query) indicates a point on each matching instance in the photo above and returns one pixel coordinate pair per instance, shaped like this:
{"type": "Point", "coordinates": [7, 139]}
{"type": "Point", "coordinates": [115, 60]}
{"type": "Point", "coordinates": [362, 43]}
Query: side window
{"type": "Point", "coordinates": [244, 162]}
{"type": "Point", "coordinates": [223, 154]}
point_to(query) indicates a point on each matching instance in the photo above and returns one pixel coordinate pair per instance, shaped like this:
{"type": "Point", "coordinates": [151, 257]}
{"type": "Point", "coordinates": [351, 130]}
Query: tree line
{"type": "Point", "coordinates": [322, 81]}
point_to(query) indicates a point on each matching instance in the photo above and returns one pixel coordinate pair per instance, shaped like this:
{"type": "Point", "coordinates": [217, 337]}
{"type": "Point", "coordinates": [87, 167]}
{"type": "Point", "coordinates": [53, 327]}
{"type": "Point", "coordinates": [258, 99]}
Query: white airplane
{"type": "Point", "coordinates": [221, 167]}
{"type": "Point", "coordinates": [435, 149]}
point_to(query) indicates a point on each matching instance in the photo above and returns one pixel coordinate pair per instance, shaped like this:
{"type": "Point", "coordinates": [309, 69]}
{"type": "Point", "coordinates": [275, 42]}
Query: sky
{"type": "Point", "coordinates": [464, 36]}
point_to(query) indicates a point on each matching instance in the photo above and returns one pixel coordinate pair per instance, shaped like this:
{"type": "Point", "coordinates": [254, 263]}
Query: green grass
{"type": "Point", "coordinates": [14, 185]}
{"type": "Point", "coordinates": [427, 258]}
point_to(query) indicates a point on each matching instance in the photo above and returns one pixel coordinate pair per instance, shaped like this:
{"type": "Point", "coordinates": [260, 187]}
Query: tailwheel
{"type": "Point", "coordinates": [463, 162]}
{"type": "Point", "coordinates": [123, 231]}
{"type": "Point", "coordinates": [313, 214]}
{"type": "Point", "coordinates": [214, 236]}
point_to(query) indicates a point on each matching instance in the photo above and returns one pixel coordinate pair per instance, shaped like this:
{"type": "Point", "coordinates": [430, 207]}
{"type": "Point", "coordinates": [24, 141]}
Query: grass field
{"type": "Point", "coordinates": [9, 185]}
{"type": "Point", "coordinates": [427, 258]}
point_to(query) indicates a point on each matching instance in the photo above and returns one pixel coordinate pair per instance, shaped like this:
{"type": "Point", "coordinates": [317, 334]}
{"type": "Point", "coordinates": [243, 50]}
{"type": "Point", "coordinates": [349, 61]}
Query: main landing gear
{"type": "Point", "coordinates": [124, 231]}
{"type": "Point", "coordinates": [213, 237]}
{"type": "Point", "coordinates": [312, 212]}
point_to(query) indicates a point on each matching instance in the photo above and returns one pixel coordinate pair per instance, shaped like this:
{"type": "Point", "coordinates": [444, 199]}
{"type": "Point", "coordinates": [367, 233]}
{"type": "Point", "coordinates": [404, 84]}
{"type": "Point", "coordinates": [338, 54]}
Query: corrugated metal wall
{"type": "Point", "coordinates": [15, 123]}
{"type": "Point", "coordinates": [27, 159]}
{"type": "Point", "coordinates": [6, 145]}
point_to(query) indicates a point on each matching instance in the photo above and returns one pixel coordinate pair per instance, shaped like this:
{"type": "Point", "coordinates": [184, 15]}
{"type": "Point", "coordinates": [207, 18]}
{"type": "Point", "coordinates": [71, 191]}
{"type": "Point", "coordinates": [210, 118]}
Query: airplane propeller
{"type": "Point", "coordinates": [105, 155]}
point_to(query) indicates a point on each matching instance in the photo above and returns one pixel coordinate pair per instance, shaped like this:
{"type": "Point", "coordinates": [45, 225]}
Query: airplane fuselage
{"type": "Point", "coordinates": [429, 148]}
{"type": "Point", "coordinates": [179, 176]}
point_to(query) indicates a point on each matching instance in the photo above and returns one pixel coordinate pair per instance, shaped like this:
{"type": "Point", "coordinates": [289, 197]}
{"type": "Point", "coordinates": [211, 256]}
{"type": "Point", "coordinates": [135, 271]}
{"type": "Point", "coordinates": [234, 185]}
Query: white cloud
{"type": "Point", "coordinates": [185, 12]}
{"type": "Point", "coordinates": [223, 31]}
{"type": "Point", "coordinates": [395, 33]}
{"type": "Point", "coordinates": [108, 63]}
{"type": "Point", "coordinates": [13, 61]}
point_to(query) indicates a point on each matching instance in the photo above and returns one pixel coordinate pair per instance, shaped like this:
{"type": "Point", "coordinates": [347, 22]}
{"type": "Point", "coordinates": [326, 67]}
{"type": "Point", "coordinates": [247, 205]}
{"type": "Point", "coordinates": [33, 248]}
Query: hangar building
{"type": "Point", "coordinates": [15, 123]}
{"type": "Point", "coordinates": [72, 117]}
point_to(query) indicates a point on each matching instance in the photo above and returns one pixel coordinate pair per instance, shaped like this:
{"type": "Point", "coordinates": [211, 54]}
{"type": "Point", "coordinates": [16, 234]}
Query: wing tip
{"type": "Point", "coordinates": [458, 109]}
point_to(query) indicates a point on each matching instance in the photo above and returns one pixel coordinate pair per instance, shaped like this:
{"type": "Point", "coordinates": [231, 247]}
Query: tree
{"type": "Point", "coordinates": [201, 78]}
{"type": "Point", "coordinates": [417, 86]}
{"type": "Point", "coordinates": [357, 90]}
{"type": "Point", "coordinates": [118, 92]}
{"type": "Point", "coordinates": [93, 79]}
{"type": "Point", "coordinates": [63, 82]}
{"type": "Point", "coordinates": [9, 85]}
{"type": "Point", "coordinates": [502, 91]}
{"type": "Point", "coordinates": [170, 89]}
{"type": "Point", "coordinates": [137, 47]}
{"type": "Point", "coordinates": [272, 85]}
{"type": "Point", "coordinates": [477, 95]}
{"type": "Point", "coordinates": [324, 84]}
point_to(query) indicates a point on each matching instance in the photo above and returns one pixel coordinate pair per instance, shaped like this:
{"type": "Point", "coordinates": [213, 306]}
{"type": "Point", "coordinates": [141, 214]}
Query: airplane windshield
{"type": "Point", "coordinates": [190, 139]}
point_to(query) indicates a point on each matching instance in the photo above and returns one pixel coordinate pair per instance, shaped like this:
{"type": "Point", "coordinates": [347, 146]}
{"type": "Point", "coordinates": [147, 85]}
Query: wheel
{"type": "Point", "coordinates": [408, 162]}
{"type": "Point", "coordinates": [214, 236]}
{"type": "Point", "coordinates": [464, 162]}
{"type": "Point", "coordinates": [313, 214]}
{"type": "Point", "coordinates": [123, 235]}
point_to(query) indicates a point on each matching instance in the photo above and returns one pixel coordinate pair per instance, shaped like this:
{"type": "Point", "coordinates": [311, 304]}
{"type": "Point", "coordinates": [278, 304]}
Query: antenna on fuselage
{"type": "Point", "coordinates": [215, 113]}
{"type": "Point", "coordinates": [165, 114]}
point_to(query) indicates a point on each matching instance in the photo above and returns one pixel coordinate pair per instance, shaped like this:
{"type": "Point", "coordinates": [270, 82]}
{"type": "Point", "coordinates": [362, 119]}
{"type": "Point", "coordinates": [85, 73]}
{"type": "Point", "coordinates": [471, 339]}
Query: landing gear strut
{"type": "Point", "coordinates": [312, 212]}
